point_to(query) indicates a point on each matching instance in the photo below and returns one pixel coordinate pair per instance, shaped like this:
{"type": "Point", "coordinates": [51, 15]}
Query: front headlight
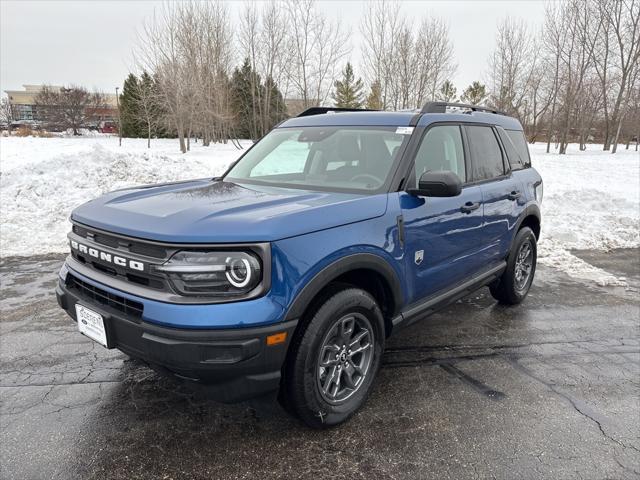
{"type": "Point", "coordinates": [221, 274]}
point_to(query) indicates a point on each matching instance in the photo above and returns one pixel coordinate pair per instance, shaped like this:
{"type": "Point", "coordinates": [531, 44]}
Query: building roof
{"type": "Point", "coordinates": [28, 95]}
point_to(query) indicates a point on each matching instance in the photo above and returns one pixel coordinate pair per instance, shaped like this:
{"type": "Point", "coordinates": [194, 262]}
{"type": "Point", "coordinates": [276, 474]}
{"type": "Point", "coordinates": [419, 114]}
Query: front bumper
{"type": "Point", "coordinates": [235, 364]}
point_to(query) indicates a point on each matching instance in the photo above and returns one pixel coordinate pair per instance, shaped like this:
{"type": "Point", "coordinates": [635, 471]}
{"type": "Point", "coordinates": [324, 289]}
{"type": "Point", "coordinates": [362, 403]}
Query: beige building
{"type": "Point", "coordinates": [23, 103]}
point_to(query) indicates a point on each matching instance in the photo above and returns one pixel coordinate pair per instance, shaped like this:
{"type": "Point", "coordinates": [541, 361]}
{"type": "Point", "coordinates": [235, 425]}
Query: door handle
{"type": "Point", "coordinates": [469, 207]}
{"type": "Point", "coordinates": [514, 195]}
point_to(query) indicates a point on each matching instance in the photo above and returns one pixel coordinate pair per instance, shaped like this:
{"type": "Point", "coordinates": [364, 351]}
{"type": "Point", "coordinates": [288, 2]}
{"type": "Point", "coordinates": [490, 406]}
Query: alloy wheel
{"type": "Point", "coordinates": [346, 353]}
{"type": "Point", "coordinates": [523, 265]}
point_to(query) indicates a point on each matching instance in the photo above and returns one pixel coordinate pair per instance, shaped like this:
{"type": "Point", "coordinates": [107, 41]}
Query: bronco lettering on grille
{"type": "Point", "coordinates": [107, 257]}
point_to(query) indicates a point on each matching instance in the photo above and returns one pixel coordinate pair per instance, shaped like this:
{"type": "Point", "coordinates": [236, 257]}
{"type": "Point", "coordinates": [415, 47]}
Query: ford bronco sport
{"type": "Point", "coordinates": [289, 271]}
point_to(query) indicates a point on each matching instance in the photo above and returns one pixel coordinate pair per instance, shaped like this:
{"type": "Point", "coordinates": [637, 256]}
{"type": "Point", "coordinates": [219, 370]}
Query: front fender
{"type": "Point", "coordinates": [339, 267]}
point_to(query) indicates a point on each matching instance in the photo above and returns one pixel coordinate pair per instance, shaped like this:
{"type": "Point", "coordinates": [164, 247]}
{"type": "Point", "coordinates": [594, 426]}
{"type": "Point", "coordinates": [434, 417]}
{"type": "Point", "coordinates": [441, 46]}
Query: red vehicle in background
{"type": "Point", "coordinates": [107, 127]}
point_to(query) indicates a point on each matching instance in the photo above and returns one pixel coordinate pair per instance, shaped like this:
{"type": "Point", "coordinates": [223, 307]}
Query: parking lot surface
{"type": "Point", "coordinates": [547, 389]}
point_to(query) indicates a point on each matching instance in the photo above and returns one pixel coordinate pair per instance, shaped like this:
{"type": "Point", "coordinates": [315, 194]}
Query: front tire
{"type": "Point", "coordinates": [514, 284]}
{"type": "Point", "coordinates": [334, 361]}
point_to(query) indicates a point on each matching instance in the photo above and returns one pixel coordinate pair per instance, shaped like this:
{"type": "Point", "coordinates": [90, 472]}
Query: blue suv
{"type": "Point", "coordinates": [329, 234]}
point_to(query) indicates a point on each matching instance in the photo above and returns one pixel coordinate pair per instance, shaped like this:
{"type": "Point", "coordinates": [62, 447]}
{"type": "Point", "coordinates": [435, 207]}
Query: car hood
{"type": "Point", "coordinates": [208, 211]}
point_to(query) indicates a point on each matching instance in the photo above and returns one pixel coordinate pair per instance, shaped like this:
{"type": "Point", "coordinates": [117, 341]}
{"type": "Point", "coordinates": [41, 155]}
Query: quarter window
{"type": "Point", "coordinates": [486, 155]}
{"type": "Point", "coordinates": [441, 149]}
{"type": "Point", "coordinates": [515, 160]}
{"type": "Point", "coordinates": [517, 137]}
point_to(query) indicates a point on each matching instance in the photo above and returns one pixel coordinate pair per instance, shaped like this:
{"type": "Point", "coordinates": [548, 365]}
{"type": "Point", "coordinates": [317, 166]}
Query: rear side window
{"type": "Point", "coordinates": [520, 143]}
{"type": "Point", "coordinates": [441, 149]}
{"type": "Point", "coordinates": [486, 154]}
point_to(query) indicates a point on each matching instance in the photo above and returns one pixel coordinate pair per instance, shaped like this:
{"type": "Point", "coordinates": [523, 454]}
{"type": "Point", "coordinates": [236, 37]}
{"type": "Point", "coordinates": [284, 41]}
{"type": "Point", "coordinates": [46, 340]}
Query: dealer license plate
{"type": "Point", "coordinates": [91, 324]}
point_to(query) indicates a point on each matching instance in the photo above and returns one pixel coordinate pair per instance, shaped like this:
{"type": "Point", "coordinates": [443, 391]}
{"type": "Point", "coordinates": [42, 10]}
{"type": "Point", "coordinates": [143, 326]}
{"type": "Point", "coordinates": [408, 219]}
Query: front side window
{"type": "Point", "coordinates": [486, 155]}
{"type": "Point", "coordinates": [441, 149]}
{"type": "Point", "coordinates": [325, 158]}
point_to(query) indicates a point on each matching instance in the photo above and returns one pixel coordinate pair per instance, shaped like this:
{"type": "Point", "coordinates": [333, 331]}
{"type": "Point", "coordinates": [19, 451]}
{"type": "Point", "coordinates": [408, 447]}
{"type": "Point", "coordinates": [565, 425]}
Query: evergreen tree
{"type": "Point", "coordinates": [147, 108]}
{"type": "Point", "coordinates": [162, 129]}
{"type": "Point", "coordinates": [447, 92]}
{"type": "Point", "coordinates": [277, 107]}
{"type": "Point", "coordinates": [257, 106]}
{"type": "Point", "coordinates": [243, 100]}
{"type": "Point", "coordinates": [475, 94]}
{"type": "Point", "coordinates": [130, 125]}
{"type": "Point", "coordinates": [374, 100]}
{"type": "Point", "coordinates": [348, 91]}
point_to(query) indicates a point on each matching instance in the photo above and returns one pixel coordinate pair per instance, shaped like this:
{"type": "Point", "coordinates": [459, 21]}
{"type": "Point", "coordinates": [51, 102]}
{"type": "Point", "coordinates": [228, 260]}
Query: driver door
{"type": "Point", "coordinates": [442, 246]}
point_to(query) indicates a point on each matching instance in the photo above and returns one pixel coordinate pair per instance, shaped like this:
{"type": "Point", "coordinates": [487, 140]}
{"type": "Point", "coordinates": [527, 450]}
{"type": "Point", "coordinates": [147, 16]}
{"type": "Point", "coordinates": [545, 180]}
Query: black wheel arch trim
{"type": "Point", "coordinates": [358, 261]}
{"type": "Point", "coordinates": [531, 210]}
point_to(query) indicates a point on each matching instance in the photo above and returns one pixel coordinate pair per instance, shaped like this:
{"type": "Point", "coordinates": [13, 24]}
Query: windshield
{"type": "Point", "coordinates": [331, 158]}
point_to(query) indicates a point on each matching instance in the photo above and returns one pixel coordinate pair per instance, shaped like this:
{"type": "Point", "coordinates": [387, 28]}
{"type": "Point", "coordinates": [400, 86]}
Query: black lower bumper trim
{"type": "Point", "coordinates": [235, 364]}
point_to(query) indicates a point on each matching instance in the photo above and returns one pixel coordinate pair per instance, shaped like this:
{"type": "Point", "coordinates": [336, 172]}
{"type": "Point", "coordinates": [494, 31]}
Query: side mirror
{"type": "Point", "coordinates": [440, 183]}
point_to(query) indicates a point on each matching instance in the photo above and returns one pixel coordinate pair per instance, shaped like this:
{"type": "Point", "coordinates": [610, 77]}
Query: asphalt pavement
{"type": "Point", "coordinates": [547, 389]}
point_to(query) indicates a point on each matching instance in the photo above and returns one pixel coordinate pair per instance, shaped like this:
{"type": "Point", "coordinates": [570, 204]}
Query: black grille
{"type": "Point", "coordinates": [154, 253]}
{"type": "Point", "coordinates": [145, 279]}
{"type": "Point", "coordinates": [104, 298]}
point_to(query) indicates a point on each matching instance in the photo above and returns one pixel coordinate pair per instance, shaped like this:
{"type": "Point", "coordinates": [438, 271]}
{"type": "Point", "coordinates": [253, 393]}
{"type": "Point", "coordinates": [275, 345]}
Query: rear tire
{"type": "Point", "coordinates": [514, 284]}
{"type": "Point", "coordinates": [334, 361]}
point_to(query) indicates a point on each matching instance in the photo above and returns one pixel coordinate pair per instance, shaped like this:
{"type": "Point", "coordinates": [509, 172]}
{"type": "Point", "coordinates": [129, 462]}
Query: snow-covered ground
{"type": "Point", "coordinates": [43, 179]}
{"type": "Point", "coordinates": [591, 201]}
{"type": "Point", "coordinates": [591, 198]}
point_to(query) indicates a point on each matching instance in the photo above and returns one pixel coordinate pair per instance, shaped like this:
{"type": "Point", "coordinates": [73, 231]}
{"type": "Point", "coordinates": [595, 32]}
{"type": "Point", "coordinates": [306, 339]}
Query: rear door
{"type": "Point", "coordinates": [501, 192]}
{"type": "Point", "coordinates": [441, 244]}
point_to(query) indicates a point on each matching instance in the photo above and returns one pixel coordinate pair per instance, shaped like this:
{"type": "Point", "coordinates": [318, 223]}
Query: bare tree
{"type": "Point", "coordinates": [405, 70]}
{"type": "Point", "coordinates": [6, 113]}
{"type": "Point", "coordinates": [569, 40]}
{"type": "Point", "coordinates": [435, 57]}
{"type": "Point", "coordinates": [576, 58]}
{"type": "Point", "coordinates": [264, 40]}
{"type": "Point", "coordinates": [381, 26]}
{"type": "Point", "coordinates": [541, 89]}
{"type": "Point", "coordinates": [159, 52]}
{"type": "Point", "coordinates": [187, 47]}
{"type": "Point", "coordinates": [588, 107]}
{"type": "Point", "coordinates": [213, 62]}
{"type": "Point", "coordinates": [317, 46]}
{"type": "Point", "coordinates": [250, 43]}
{"type": "Point", "coordinates": [409, 64]}
{"type": "Point", "coordinates": [68, 107]}
{"type": "Point", "coordinates": [274, 59]}
{"type": "Point", "coordinates": [512, 66]}
{"type": "Point", "coordinates": [631, 121]}
{"type": "Point", "coordinates": [617, 60]}
{"type": "Point", "coordinates": [146, 103]}
{"type": "Point", "coordinates": [552, 40]}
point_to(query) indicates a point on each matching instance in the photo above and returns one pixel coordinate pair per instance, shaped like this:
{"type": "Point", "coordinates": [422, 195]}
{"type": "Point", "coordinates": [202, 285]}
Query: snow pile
{"type": "Point", "coordinates": [43, 179]}
{"type": "Point", "coordinates": [591, 199]}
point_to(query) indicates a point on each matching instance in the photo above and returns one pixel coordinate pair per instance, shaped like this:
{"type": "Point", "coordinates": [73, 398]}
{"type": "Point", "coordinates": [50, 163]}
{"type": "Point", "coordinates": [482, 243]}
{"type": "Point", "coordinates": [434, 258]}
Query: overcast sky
{"type": "Point", "coordinates": [90, 42]}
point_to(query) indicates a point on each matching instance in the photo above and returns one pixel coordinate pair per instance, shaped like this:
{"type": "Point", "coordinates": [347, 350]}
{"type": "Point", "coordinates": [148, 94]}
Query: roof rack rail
{"type": "Point", "coordinates": [321, 110]}
{"type": "Point", "coordinates": [441, 107]}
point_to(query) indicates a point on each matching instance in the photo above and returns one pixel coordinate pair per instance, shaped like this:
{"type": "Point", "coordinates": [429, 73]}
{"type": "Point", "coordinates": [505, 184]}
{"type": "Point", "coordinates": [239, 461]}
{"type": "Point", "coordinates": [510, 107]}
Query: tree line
{"type": "Point", "coordinates": [576, 79]}
{"type": "Point", "coordinates": [188, 52]}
